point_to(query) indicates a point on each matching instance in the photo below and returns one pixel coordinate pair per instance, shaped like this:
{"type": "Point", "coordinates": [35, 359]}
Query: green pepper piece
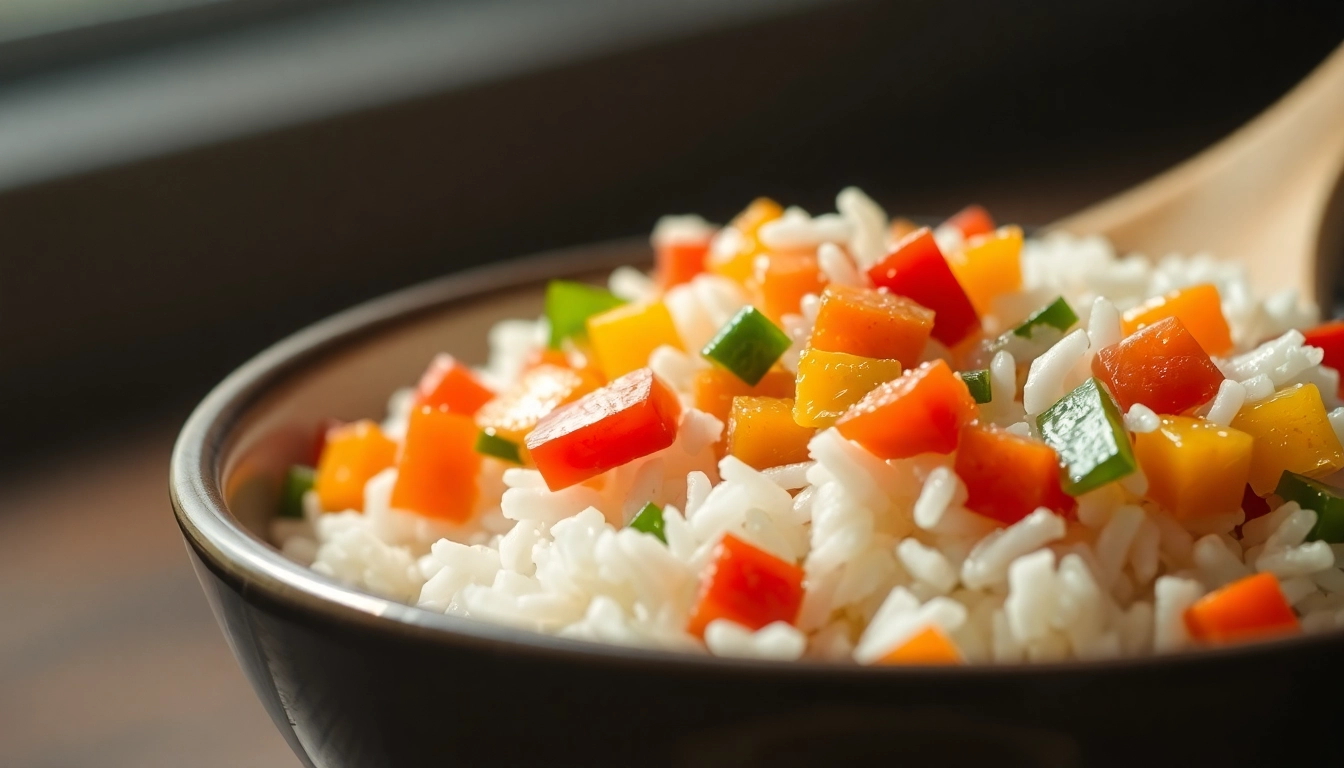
{"type": "Point", "coordinates": [1057, 314]}
{"type": "Point", "coordinates": [650, 521]}
{"type": "Point", "coordinates": [298, 481]}
{"type": "Point", "coordinates": [490, 444]}
{"type": "Point", "coordinates": [570, 304]}
{"type": "Point", "coordinates": [747, 345]}
{"type": "Point", "coordinates": [1087, 431]}
{"type": "Point", "coordinates": [978, 383]}
{"type": "Point", "coordinates": [1325, 501]}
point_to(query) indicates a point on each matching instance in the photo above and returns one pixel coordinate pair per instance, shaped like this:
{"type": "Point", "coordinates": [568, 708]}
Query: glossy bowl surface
{"type": "Point", "coordinates": [354, 680]}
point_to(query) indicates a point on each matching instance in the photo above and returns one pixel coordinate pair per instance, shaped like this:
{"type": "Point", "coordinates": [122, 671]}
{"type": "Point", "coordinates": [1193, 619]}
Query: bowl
{"type": "Point", "coordinates": [353, 680]}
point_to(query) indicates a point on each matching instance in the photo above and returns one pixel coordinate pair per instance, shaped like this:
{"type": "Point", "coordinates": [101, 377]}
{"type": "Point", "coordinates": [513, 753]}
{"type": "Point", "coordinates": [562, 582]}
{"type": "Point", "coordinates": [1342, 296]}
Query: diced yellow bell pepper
{"type": "Point", "coordinates": [623, 338]}
{"type": "Point", "coordinates": [761, 432]}
{"type": "Point", "coordinates": [740, 265]}
{"type": "Point", "coordinates": [353, 454]}
{"type": "Point", "coordinates": [990, 265]}
{"type": "Point", "coordinates": [830, 382]}
{"type": "Point", "coordinates": [1292, 432]}
{"type": "Point", "coordinates": [541, 389]}
{"type": "Point", "coordinates": [1195, 468]}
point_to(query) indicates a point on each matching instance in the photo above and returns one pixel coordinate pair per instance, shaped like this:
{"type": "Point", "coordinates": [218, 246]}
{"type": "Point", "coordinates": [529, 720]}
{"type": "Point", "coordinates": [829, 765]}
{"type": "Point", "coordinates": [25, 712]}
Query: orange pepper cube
{"type": "Point", "coordinates": [436, 475]}
{"type": "Point", "coordinates": [1200, 310]}
{"type": "Point", "coordinates": [449, 383]}
{"type": "Point", "coordinates": [1161, 366]}
{"type": "Point", "coordinates": [677, 263]}
{"type": "Point", "coordinates": [746, 585]}
{"type": "Point", "coordinates": [762, 433]}
{"type": "Point", "coordinates": [871, 323]}
{"type": "Point", "coordinates": [923, 411]}
{"type": "Point", "coordinates": [1292, 432]}
{"type": "Point", "coordinates": [783, 279]}
{"type": "Point", "coordinates": [989, 266]}
{"type": "Point", "coordinates": [1195, 468]}
{"type": "Point", "coordinates": [928, 646]}
{"type": "Point", "coordinates": [515, 412]}
{"type": "Point", "coordinates": [713, 390]}
{"type": "Point", "coordinates": [739, 266]}
{"type": "Point", "coordinates": [1008, 477]}
{"type": "Point", "coordinates": [631, 417]}
{"type": "Point", "coordinates": [353, 453]}
{"type": "Point", "coordinates": [1251, 608]}
{"type": "Point", "coordinates": [624, 337]}
{"type": "Point", "coordinates": [829, 383]}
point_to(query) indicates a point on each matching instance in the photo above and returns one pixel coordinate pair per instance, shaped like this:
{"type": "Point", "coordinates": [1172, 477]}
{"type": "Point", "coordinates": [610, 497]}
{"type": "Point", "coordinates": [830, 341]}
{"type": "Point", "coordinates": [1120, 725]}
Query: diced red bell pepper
{"type": "Point", "coordinates": [1008, 477]}
{"type": "Point", "coordinates": [746, 585]}
{"type": "Point", "coordinates": [1160, 366]}
{"type": "Point", "coordinates": [1251, 608]}
{"type": "Point", "coordinates": [923, 411]}
{"type": "Point", "coordinates": [917, 270]}
{"type": "Point", "coordinates": [678, 262]}
{"type": "Point", "coordinates": [1253, 506]}
{"type": "Point", "coordinates": [631, 417]}
{"type": "Point", "coordinates": [1330, 338]}
{"type": "Point", "coordinates": [436, 474]}
{"type": "Point", "coordinates": [972, 220]}
{"type": "Point", "coordinates": [451, 384]}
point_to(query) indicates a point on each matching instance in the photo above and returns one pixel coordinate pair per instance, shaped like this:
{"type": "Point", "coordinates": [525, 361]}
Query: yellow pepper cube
{"type": "Point", "coordinates": [1292, 432]}
{"type": "Point", "coordinates": [989, 266]}
{"type": "Point", "coordinates": [353, 454]}
{"type": "Point", "coordinates": [740, 264]}
{"type": "Point", "coordinates": [830, 382]}
{"type": "Point", "coordinates": [1195, 468]}
{"type": "Point", "coordinates": [623, 338]}
{"type": "Point", "coordinates": [762, 433]}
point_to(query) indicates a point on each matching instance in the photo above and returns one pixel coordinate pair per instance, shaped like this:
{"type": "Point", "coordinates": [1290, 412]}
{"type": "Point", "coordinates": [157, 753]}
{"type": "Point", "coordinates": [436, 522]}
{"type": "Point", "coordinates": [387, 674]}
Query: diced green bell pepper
{"type": "Point", "coordinates": [298, 481]}
{"type": "Point", "coordinates": [490, 444]}
{"type": "Point", "coordinates": [1057, 314]}
{"type": "Point", "coordinates": [747, 345]}
{"type": "Point", "coordinates": [570, 304]}
{"type": "Point", "coordinates": [1087, 431]}
{"type": "Point", "coordinates": [650, 521]}
{"type": "Point", "coordinates": [1325, 501]}
{"type": "Point", "coordinates": [978, 383]}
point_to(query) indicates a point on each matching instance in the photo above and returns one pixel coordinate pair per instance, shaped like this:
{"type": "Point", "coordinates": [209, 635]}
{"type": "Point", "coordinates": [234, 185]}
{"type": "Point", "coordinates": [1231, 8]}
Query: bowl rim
{"type": "Point", "coordinates": [195, 491]}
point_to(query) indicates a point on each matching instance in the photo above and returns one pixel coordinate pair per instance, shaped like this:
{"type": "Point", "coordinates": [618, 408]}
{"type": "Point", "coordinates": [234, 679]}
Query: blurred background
{"type": "Point", "coordinates": [183, 182]}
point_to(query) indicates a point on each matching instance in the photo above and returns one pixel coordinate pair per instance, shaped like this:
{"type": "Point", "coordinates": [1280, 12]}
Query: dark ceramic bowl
{"type": "Point", "coordinates": [356, 681]}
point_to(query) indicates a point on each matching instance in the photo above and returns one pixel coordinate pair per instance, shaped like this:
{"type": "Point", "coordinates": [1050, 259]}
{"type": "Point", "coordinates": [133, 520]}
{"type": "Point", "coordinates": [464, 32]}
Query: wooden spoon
{"type": "Point", "coordinates": [1270, 195]}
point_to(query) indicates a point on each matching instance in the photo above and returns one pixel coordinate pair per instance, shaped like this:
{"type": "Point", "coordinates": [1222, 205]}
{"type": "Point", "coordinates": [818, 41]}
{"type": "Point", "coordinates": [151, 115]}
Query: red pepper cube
{"type": "Point", "coordinates": [1330, 338]}
{"type": "Point", "coordinates": [677, 262]}
{"type": "Point", "coordinates": [1008, 477]}
{"type": "Point", "coordinates": [923, 411]}
{"type": "Point", "coordinates": [1161, 366]}
{"type": "Point", "coordinates": [1251, 608]}
{"type": "Point", "coordinates": [448, 383]}
{"type": "Point", "coordinates": [972, 220]}
{"type": "Point", "coordinates": [746, 585]}
{"type": "Point", "coordinates": [917, 270]}
{"type": "Point", "coordinates": [437, 471]}
{"type": "Point", "coordinates": [631, 417]}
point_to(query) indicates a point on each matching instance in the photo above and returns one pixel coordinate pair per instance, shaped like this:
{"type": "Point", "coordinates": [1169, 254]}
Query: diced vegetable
{"type": "Point", "coordinates": [353, 454]}
{"type": "Point", "coordinates": [298, 481]}
{"type": "Point", "coordinates": [1251, 608]}
{"type": "Point", "coordinates": [977, 383]}
{"type": "Point", "coordinates": [1087, 431]}
{"type": "Point", "coordinates": [1199, 309]}
{"type": "Point", "coordinates": [1008, 477]}
{"type": "Point", "coordinates": [570, 304]}
{"type": "Point", "coordinates": [746, 585]}
{"type": "Point", "coordinates": [713, 390]}
{"type": "Point", "coordinates": [490, 444]}
{"type": "Point", "coordinates": [739, 266]}
{"type": "Point", "coordinates": [677, 263]}
{"type": "Point", "coordinates": [923, 411]}
{"type": "Point", "coordinates": [747, 345]}
{"type": "Point", "coordinates": [451, 384]}
{"type": "Point", "coordinates": [436, 474]}
{"type": "Point", "coordinates": [650, 520]}
{"type": "Point", "coordinates": [762, 433]}
{"type": "Point", "coordinates": [1195, 468]}
{"type": "Point", "coordinates": [972, 220]}
{"type": "Point", "coordinates": [1252, 504]}
{"type": "Point", "coordinates": [830, 382]}
{"type": "Point", "coordinates": [631, 417]}
{"type": "Point", "coordinates": [1330, 338]}
{"type": "Point", "coordinates": [320, 438]}
{"type": "Point", "coordinates": [1292, 433]}
{"type": "Point", "coordinates": [515, 412]}
{"type": "Point", "coordinates": [624, 337]}
{"type": "Point", "coordinates": [989, 266]}
{"type": "Point", "coordinates": [1325, 501]}
{"type": "Point", "coordinates": [1161, 366]}
{"type": "Point", "coordinates": [928, 646]}
{"type": "Point", "coordinates": [900, 227]}
{"type": "Point", "coordinates": [783, 280]}
{"type": "Point", "coordinates": [1057, 314]}
{"type": "Point", "coordinates": [917, 270]}
{"type": "Point", "coordinates": [871, 323]}
{"type": "Point", "coordinates": [546, 356]}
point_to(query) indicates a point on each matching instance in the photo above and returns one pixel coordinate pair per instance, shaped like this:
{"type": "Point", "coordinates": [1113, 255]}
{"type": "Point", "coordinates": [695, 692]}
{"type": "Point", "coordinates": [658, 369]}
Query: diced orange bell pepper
{"type": "Point", "coordinates": [761, 432]}
{"type": "Point", "coordinates": [830, 382]}
{"type": "Point", "coordinates": [989, 266]}
{"type": "Point", "coordinates": [1195, 468]}
{"type": "Point", "coordinates": [916, 269]}
{"type": "Point", "coordinates": [449, 383]}
{"type": "Point", "coordinates": [871, 323]}
{"type": "Point", "coordinates": [1292, 432]}
{"type": "Point", "coordinates": [1008, 477]}
{"type": "Point", "coordinates": [515, 412]}
{"type": "Point", "coordinates": [1161, 366]}
{"type": "Point", "coordinates": [713, 390]}
{"type": "Point", "coordinates": [928, 646]}
{"type": "Point", "coordinates": [1199, 309]}
{"type": "Point", "coordinates": [436, 475]}
{"type": "Point", "coordinates": [624, 337]}
{"type": "Point", "coordinates": [783, 279]}
{"type": "Point", "coordinates": [923, 411]}
{"type": "Point", "coordinates": [972, 220]}
{"type": "Point", "coordinates": [900, 227]}
{"type": "Point", "coordinates": [739, 266]}
{"type": "Point", "coordinates": [633, 416]}
{"type": "Point", "coordinates": [679, 262]}
{"type": "Point", "coordinates": [353, 454]}
{"type": "Point", "coordinates": [1252, 608]}
{"type": "Point", "coordinates": [546, 356]}
{"type": "Point", "coordinates": [746, 585]}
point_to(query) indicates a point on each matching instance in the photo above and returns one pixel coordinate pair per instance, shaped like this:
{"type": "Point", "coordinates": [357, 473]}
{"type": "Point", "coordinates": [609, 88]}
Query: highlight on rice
{"type": "Point", "coordinates": [845, 437]}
